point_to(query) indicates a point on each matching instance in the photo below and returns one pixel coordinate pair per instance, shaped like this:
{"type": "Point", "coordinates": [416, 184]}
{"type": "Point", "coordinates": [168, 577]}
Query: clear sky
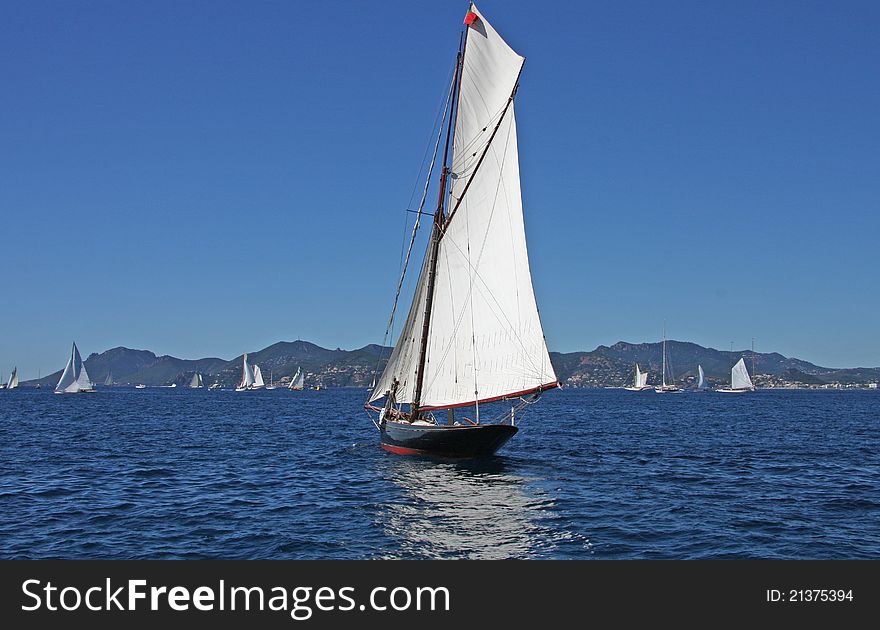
{"type": "Point", "coordinates": [206, 178]}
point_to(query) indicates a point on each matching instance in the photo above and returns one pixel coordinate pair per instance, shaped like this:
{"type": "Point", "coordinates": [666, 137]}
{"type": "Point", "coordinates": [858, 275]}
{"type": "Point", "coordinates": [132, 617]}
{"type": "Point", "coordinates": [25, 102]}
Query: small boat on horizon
{"type": "Point", "coordinates": [740, 382]}
{"type": "Point", "coordinates": [251, 376]}
{"type": "Point", "coordinates": [74, 379]}
{"type": "Point", "coordinates": [702, 385]}
{"type": "Point", "coordinates": [666, 388]}
{"type": "Point", "coordinates": [297, 383]}
{"type": "Point", "coordinates": [640, 382]}
{"type": "Point", "coordinates": [140, 386]}
{"type": "Point", "coordinates": [196, 382]}
{"type": "Point", "coordinates": [12, 383]}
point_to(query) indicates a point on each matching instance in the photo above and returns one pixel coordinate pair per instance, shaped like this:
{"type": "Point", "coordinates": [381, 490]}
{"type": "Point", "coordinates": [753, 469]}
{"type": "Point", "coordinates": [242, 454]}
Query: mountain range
{"type": "Point", "coordinates": [603, 367]}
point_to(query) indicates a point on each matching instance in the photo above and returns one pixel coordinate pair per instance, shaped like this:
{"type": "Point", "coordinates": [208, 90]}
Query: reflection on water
{"type": "Point", "coordinates": [471, 510]}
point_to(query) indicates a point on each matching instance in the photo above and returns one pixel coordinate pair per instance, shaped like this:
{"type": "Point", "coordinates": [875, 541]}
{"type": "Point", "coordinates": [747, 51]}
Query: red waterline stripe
{"type": "Point", "coordinates": [402, 450]}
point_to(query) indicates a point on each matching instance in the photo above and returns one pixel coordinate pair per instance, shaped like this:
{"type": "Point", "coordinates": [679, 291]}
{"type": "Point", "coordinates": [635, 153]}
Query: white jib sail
{"type": "Point", "coordinates": [739, 376]}
{"type": "Point", "coordinates": [13, 379]}
{"type": "Point", "coordinates": [74, 378]}
{"type": "Point", "coordinates": [247, 374]}
{"type": "Point", "coordinates": [701, 383]}
{"type": "Point", "coordinates": [258, 377]}
{"type": "Point", "coordinates": [298, 380]}
{"type": "Point", "coordinates": [485, 338]}
{"type": "Point", "coordinates": [196, 381]}
{"type": "Point", "coordinates": [643, 379]}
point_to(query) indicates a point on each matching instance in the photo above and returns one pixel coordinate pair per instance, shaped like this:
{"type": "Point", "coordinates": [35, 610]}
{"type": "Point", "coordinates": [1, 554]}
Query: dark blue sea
{"type": "Point", "coordinates": [170, 473]}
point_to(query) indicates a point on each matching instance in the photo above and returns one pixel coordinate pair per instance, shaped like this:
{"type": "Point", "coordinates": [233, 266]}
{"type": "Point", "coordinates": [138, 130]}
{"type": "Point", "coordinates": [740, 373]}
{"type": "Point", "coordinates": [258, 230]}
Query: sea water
{"type": "Point", "coordinates": [178, 473]}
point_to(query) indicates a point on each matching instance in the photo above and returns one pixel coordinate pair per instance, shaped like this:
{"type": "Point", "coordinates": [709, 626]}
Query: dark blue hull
{"type": "Point", "coordinates": [445, 441]}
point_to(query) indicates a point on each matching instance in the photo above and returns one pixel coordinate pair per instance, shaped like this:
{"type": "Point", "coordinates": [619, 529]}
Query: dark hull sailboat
{"type": "Point", "coordinates": [479, 440]}
{"type": "Point", "coordinates": [473, 334]}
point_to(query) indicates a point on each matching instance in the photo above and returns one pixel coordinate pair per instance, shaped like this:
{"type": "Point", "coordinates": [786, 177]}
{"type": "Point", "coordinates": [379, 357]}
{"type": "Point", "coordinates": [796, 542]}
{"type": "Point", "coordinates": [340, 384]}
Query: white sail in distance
{"type": "Point", "coordinates": [739, 376]}
{"type": "Point", "coordinates": [701, 383]}
{"type": "Point", "coordinates": [298, 380]}
{"type": "Point", "coordinates": [196, 381]}
{"type": "Point", "coordinates": [247, 374]}
{"type": "Point", "coordinates": [13, 379]}
{"type": "Point", "coordinates": [485, 341]}
{"type": "Point", "coordinates": [75, 378]}
{"type": "Point", "coordinates": [258, 377]}
{"type": "Point", "coordinates": [641, 377]}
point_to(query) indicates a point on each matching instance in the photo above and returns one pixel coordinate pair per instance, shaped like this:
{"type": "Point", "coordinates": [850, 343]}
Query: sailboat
{"type": "Point", "coordinates": [108, 382]}
{"type": "Point", "coordinates": [473, 334]}
{"type": "Point", "coordinates": [258, 378]}
{"type": "Point", "coordinates": [196, 382]}
{"type": "Point", "coordinates": [12, 383]}
{"type": "Point", "coordinates": [740, 382]}
{"type": "Point", "coordinates": [298, 381]}
{"type": "Point", "coordinates": [701, 379]}
{"type": "Point", "coordinates": [74, 379]}
{"type": "Point", "coordinates": [666, 388]}
{"type": "Point", "coordinates": [640, 381]}
{"type": "Point", "coordinates": [271, 384]}
{"type": "Point", "coordinates": [251, 377]}
{"type": "Point", "coordinates": [247, 375]}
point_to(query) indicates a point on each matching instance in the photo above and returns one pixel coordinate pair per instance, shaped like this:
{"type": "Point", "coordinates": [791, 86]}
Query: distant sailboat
{"type": "Point", "coordinates": [13, 379]}
{"type": "Point", "coordinates": [666, 388]}
{"type": "Point", "coordinates": [701, 382]}
{"type": "Point", "coordinates": [258, 378]}
{"type": "Point", "coordinates": [740, 382]}
{"type": "Point", "coordinates": [640, 381]}
{"type": "Point", "coordinates": [271, 384]}
{"type": "Point", "coordinates": [473, 334]}
{"type": "Point", "coordinates": [247, 375]}
{"type": "Point", "coordinates": [298, 381]}
{"type": "Point", "coordinates": [196, 382]}
{"type": "Point", "coordinates": [74, 379]}
{"type": "Point", "coordinates": [251, 377]}
{"type": "Point", "coordinates": [108, 382]}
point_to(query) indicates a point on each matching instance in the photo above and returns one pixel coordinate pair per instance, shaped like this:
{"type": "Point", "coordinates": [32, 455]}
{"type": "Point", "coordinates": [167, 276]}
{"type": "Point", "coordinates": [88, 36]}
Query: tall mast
{"type": "Point", "coordinates": [753, 357]}
{"type": "Point", "coordinates": [436, 231]}
{"type": "Point", "coordinates": [663, 378]}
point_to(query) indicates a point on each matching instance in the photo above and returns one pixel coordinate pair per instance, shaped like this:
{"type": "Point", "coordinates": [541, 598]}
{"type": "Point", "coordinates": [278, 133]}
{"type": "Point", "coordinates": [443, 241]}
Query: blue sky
{"type": "Point", "coordinates": [206, 178]}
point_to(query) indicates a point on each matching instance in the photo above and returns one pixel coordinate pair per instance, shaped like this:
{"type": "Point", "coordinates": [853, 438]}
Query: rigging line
{"type": "Point", "coordinates": [475, 273]}
{"type": "Point", "coordinates": [461, 153]}
{"type": "Point", "coordinates": [437, 121]}
{"type": "Point", "coordinates": [434, 241]}
{"type": "Point", "coordinates": [485, 150]}
{"type": "Point", "coordinates": [415, 229]}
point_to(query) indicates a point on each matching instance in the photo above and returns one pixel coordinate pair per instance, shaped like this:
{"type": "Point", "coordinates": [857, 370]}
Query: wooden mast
{"type": "Point", "coordinates": [436, 233]}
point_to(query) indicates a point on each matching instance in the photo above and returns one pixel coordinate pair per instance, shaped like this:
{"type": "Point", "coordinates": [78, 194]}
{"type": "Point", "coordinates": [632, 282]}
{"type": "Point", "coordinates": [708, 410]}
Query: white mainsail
{"type": "Point", "coordinates": [109, 380]}
{"type": "Point", "coordinates": [75, 378]}
{"type": "Point", "coordinates": [701, 383]}
{"type": "Point", "coordinates": [13, 379]}
{"type": "Point", "coordinates": [642, 377]}
{"type": "Point", "coordinates": [247, 374]}
{"type": "Point", "coordinates": [258, 377]}
{"type": "Point", "coordinates": [739, 376]}
{"type": "Point", "coordinates": [196, 381]}
{"type": "Point", "coordinates": [485, 340]}
{"type": "Point", "coordinates": [298, 380]}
